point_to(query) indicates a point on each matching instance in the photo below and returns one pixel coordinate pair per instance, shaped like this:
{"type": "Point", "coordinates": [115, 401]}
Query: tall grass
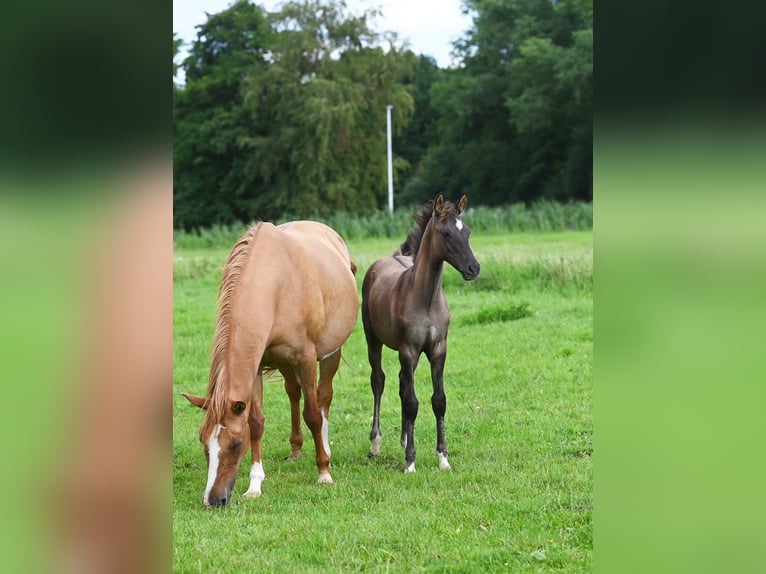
{"type": "Point", "coordinates": [543, 216]}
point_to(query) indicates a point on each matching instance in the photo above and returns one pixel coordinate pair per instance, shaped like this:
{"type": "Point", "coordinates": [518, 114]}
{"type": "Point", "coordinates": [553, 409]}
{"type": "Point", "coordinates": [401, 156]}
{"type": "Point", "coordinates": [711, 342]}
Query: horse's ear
{"type": "Point", "coordinates": [438, 204]}
{"type": "Point", "coordinates": [461, 203]}
{"type": "Point", "coordinates": [200, 402]}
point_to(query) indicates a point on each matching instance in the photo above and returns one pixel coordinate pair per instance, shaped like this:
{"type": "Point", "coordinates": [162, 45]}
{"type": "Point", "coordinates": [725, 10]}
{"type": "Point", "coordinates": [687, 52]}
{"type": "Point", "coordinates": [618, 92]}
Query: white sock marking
{"type": "Point", "coordinates": [410, 468]}
{"type": "Point", "coordinates": [257, 476]}
{"type": "Point", "coordinates": [375, 446]}
{"type": "Point", "coordinates": [213, 449]}
{"type": "Point", "coordinates": [325, 433]}
{"type": "Point", "coordinates": [458, 224]}
{"type": "Point", "coordinates": [443, 464]}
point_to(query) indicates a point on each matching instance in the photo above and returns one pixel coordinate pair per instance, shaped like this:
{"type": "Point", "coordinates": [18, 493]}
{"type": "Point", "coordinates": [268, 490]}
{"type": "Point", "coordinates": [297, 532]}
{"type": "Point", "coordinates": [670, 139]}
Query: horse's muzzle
{"type": "Point", "coordinates": [472, 271]}
{"type": "Point", "coordinates": [214, 501]}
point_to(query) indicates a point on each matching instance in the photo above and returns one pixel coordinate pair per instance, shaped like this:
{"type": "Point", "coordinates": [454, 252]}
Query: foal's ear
{"type": "Point", "coordinates": [461, 203]}
{"type": "Point", "coordinates": [438, 204]}
{"type": "Point", "coordinates": [200, 402]}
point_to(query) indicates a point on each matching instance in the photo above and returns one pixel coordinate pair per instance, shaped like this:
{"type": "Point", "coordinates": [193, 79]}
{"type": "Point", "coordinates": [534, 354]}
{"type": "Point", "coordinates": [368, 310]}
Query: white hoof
{"type": "Point", "coordinates": [375, 446]}
{"type": "Point", "coordinates": [324, 478]}
{"type": "Point", "coordinates": [443, 463]}
{"type": "Point", "coordinates": [410, 468]}
{"type": "Point", "coordinates": [252, 493]}
{"type": "Point", "coordinates": [257, 476]}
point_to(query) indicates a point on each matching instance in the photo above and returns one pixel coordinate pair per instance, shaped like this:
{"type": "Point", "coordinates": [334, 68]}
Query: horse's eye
{"type": "Point", "coordinates": [235, 445]}
{"type": "Point", "coordinates": [445, 233]}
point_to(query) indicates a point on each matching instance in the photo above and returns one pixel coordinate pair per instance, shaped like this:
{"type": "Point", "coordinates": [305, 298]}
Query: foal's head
{"type": "Point", "coordinates": [450, 237]}
{"type": "Point", "coordinates": [225, 436]}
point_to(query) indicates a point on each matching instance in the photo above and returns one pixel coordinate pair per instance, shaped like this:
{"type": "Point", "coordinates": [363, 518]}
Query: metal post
{"type": "Point", "coordinates": [390, 162]}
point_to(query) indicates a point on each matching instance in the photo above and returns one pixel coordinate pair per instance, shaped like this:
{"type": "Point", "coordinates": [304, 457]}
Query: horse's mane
{"type": "Point", "coordinates": [217, 381]}
{"type": "Point", "coordinates": [414, 238]}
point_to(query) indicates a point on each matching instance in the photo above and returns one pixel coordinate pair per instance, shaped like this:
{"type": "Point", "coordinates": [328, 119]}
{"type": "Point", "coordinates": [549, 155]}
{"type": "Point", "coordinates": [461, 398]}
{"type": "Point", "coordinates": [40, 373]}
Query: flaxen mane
{"type": "Point", "coordinates": [217, 381]}
{"type": "Point", "coordinates": [411, 245]}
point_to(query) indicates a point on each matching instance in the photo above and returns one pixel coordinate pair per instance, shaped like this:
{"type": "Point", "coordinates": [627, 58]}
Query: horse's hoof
{"type": "Point", "coordinates": [409, 468]}
{"type": "Point", "coordinates": [375, 446]}
{"type": "Point", "coordinates": [252, 494]}
{"type": "Point", "coordinates": [443, 463]}
{"type": "Point", "coordinates": [293, 456]}
{"type": "Point", "coordinates": [324, 478]}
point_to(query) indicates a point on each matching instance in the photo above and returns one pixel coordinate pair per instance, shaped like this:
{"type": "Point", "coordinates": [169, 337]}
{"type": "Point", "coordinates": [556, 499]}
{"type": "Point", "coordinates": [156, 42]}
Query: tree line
{"type": "Point", "coordinates": [283, 113]}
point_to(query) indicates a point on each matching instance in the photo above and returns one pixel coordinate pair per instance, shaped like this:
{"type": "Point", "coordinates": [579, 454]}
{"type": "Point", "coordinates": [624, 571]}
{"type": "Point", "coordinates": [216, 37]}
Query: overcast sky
{"type": "Point", "coordinates": [430, 26]}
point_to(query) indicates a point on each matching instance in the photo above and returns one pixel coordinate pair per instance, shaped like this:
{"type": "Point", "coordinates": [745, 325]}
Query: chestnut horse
{"type": "Point", "coordinates": [403, 307]}
{"type": "Point", "coordinates": [287, 299]}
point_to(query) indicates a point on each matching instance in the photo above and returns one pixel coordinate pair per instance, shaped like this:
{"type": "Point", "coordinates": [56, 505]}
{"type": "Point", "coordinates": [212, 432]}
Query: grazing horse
{"type": "Point", "coordinates": [403, 307]}
{"type": "Point", "coordinates": [287, 299]}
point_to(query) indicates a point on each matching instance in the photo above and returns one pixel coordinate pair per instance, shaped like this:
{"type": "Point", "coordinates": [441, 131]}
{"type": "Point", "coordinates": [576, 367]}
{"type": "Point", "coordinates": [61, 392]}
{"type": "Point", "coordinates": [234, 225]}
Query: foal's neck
{"type": "Point", "coordinates": [427, 270]}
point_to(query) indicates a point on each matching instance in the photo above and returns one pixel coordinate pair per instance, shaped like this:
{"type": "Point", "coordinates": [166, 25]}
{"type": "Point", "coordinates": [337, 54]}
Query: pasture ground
{"type": "Point", "coordinates": [518, 429]}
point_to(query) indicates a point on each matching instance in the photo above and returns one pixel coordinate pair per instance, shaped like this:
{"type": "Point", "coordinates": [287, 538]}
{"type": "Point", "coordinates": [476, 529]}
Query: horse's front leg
{"type": "Point", "coordinates": [256, 422]}
{"type": "Point", "coordinates": [293, 390]}
{"type": "Point", "coordinates": [408, 361]}
{"type": "Point", "coordinates": [439, 400]}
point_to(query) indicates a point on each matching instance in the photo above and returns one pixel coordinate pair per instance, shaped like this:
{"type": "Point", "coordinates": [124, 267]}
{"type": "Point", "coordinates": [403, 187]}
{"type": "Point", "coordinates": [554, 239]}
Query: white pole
{"type": "Point", "coordinates": [390, 162]}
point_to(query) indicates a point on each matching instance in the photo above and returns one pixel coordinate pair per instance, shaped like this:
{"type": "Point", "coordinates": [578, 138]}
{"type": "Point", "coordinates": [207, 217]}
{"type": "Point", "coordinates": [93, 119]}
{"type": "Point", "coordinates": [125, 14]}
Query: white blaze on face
{"type": "Point", "coordinates": [458, 224]}
{"type": "Point", "coordinates": [213, 450]}
{"type": "Point", "coordinates": [325, 433]}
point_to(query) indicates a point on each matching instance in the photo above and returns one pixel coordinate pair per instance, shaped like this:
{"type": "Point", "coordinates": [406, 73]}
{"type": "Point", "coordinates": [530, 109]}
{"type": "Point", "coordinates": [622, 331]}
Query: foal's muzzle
{"type": "Point", "coordinates": [471, 272]}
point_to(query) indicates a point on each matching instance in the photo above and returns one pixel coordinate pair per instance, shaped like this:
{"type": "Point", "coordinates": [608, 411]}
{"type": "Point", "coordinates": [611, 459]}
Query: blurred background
{"type": "Point", "coordinates": [283, 121]}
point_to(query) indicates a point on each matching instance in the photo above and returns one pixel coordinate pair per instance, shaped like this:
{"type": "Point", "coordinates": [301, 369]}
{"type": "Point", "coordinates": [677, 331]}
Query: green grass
{"type": "Point", "coordinates": [542, 216]}
{"type": "Point", "coordinates": [518, 425]}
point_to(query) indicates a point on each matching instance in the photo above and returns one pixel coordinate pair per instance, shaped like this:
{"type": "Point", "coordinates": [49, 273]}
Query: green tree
{"type": "Point", "coordinates": [213, 177]}
{"type": "Point", "coordinates": [415, 139]}
{"type": "Point", "coordinates": [320, 108]}
{"type": "Point", "coordinates": [514, 122]}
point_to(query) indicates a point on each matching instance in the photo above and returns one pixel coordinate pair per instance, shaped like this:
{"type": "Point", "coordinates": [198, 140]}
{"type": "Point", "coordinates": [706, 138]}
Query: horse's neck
{"type": "Point", "coordinates": [427, 271]}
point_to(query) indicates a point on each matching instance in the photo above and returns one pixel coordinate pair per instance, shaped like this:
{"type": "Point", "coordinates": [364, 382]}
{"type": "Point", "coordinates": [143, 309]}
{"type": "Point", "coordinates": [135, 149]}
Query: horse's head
{"type": "Point", "coordinates": [225, 437]}
{"type": "Point", "coordinates": [451, 237]}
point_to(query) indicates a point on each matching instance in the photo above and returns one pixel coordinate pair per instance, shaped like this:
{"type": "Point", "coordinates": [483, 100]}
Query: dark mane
{"type": "Point", "coordinates": [217, 379]}
{"type": "Point", "coordinates": [411, 244]}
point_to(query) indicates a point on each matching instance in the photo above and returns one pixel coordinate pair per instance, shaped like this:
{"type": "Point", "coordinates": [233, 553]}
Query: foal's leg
{"type": "Point", "coordinates": [256, 422]}
{"type": "Point", "coordinates": [327, 369]}
{"type": "Point", "coordinates": [377, 383]}
{"type": "Point", "coordinates": [307, 374]}
{"type": "Point", "coordinates": [408, 362]}
{"type": "Point", "coordinates": [293, 390]}
{"type": "Point", "coordinates": [436, 357]}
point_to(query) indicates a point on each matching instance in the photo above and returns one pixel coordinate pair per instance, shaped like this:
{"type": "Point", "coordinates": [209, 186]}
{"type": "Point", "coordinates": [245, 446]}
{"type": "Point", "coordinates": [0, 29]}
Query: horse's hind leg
{"type": "Point", "coordinates": [293, 390]}
{"type": "Point", "coordinates": [408, 362]}
{"type": "Point", "coordinates": [377, 383]}
{"type": "Point", "coordinates": [314, 417]}
{"type": "Point", "coordinates": [327, 369]}
{"type": "Point", "coordinates": [439, 400]}
{"type": "Point", "coordinates": [256, 422]}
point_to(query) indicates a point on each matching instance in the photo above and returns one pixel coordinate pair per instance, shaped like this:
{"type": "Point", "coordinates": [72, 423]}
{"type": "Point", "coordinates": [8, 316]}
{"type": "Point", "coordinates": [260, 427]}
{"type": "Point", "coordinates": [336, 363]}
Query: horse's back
{"type": "Point", "coordinates": [316, 236]}
{"type": "Point", "coordinates": [302, 276]}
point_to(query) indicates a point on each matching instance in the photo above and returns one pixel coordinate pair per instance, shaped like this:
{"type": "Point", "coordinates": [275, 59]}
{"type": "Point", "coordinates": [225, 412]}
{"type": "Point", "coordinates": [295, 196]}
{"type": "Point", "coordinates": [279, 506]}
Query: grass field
{"type": "Point", "coordinates": [518, 429]}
